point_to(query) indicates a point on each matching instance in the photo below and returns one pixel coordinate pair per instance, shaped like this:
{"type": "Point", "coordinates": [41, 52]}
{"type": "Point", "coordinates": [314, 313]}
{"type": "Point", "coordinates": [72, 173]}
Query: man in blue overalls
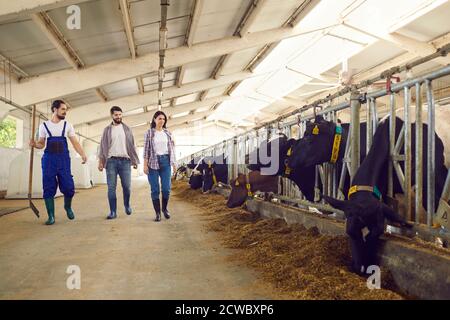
{"type": "Point", "coordinates": [56, 160]}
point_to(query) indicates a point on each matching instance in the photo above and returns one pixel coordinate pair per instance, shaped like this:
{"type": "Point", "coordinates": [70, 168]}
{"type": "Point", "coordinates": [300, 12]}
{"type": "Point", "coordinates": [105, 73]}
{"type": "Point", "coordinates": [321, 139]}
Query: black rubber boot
{"type": "Point", "coordinates": [68, 207]}
{"type": "Point", "coordinates": [165, 201]}
{"type": "Point", "coordinates": [157, 206]}
{"type": "Point", "coordinates": [112, 215]}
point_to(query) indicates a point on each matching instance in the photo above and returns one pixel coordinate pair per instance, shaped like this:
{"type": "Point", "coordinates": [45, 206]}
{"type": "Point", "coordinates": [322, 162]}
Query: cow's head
{"type": "Point", "coordinates": [211, 167]}
{"type": "Point", "coordinates": [257, 181]}
{"type": "Point", "coordinates": [194, 162]}
{"type": "Point", "coordinates": [269, 156]}
{"type": "Point", "coordinates": [196, 180]}
{"type": "Point", "coordinates": [316, 145]}
{"type": "Point", "coordinates": [368, 209]}
{"type": "Point", "coordinates": [238, 193]}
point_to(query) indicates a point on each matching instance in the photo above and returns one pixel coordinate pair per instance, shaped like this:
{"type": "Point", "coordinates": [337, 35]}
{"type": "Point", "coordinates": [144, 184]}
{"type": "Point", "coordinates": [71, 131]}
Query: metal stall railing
{"type": "Point", "coordinates": [332, 180]}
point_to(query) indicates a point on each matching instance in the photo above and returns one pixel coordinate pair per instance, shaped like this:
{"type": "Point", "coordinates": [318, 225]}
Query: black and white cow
{"type": "Point", "coordinates": [365, 207]}
{"type": "Point", "coordinates": [196, 177]}
{"type": "Point", "coordinates": [303, 177]}
{"type": "Point", "coordinates": [316, 146]}
{"type": "Point", "coordinates": [215, 170]}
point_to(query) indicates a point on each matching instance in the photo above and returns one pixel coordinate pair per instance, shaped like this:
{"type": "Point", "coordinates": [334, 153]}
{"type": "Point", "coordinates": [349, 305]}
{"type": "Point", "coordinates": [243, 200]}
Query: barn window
{"type": "Point", "coordinates": [11, 129]}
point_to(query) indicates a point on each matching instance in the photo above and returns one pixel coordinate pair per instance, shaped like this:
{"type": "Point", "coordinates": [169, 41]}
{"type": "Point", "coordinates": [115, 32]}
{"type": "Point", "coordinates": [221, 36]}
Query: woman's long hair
{"type": "Point", "coordinates": [158, 113]}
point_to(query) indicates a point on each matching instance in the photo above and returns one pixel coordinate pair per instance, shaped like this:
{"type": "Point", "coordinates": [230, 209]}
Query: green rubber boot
{"type": "Point", "coordinates": [68, 207]}
{"type": "Point", "coordinates": [50, 205]}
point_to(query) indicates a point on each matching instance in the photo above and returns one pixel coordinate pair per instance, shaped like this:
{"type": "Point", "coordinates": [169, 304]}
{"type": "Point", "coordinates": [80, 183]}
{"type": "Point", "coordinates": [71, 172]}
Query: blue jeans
{"type": "Point", "coordinates": [164, 172]}
{"type": "Point", "coordinates": [121, 167]}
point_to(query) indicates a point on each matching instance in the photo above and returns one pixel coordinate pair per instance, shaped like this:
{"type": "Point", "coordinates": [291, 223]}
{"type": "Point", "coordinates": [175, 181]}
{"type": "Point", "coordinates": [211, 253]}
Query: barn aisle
{"type": "Point", "coordinates": [131, 257]}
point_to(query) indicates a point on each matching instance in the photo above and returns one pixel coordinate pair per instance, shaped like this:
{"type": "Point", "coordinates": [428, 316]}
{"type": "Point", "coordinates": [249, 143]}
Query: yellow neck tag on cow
{"type": "Point", "coordinates": [315, 131]}
{"type": "Point", "coordinates": [336, 145]}
{"type": "Point", "coordinates": [289, 152]}
{"type": "Point", "coordinates": [375, 191]}
{"type": "Point", "coordinates": [249, 191]}
{"type": "Point", "coordinates": [214, 176]}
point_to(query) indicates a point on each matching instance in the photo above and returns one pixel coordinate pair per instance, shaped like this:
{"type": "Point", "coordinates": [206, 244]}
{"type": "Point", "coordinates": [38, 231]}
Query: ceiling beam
{"type": "Point", "coordinates": [180, 76]}
{"type": "Point", "coordinates": [51, 31]}
{"type": "Point", "coordinates": [100, 110]}
{"type": "Point", "coordinates": [293, 21]}
{"type": "Point", "coordinates": [252, 14]}
{"type": "Point", "coordinates": [190, 34]}
{"type": "Point", "coordinates": [301, 12]}
{"type": "Point", "coordinates": [57, 83]}
{"type": "Point", "coordinates": [194, 21]}
{"type": "Point", "coordinates": [246, 22]}
{"type": "Point", "coordinates": [140, 83]}
{"type": "Point", "coordinates": [101, 94]}
{"type": "Point", "coordinates": [126, 18]}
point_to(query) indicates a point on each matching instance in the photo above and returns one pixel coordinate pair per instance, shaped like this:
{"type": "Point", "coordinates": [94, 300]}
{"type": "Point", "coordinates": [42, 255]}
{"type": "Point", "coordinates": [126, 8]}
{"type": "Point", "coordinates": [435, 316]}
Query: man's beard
{"type": "Point", "coordinates": [118, 121]}
{"type": "Point", "coordinates": [62, 117]}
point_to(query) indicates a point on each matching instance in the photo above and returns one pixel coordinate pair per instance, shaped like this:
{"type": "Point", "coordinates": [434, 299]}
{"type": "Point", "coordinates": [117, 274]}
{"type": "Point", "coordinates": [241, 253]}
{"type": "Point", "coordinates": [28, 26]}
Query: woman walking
{"type": "Point", "coordinates": [159, 157]}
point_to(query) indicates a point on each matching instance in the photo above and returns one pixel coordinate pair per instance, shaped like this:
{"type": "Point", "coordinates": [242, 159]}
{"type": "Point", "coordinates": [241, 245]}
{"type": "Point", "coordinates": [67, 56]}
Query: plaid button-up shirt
{"type": "Point", "coordinates": [149, 149]}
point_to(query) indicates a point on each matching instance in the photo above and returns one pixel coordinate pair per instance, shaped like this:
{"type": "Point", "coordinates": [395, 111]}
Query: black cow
{"type": "Point", "coordinates": [193, 163]}
{"type": "Point", "coordinates": [215, 170]}
{"type": "Point", "coordinates": [364, 208]}
{"type": "Point", "coordinates": [303, 177]}
{"type": "Point", "coordinates": [317, 143]}
{"type": "Point", "coordinates": [196, 177]}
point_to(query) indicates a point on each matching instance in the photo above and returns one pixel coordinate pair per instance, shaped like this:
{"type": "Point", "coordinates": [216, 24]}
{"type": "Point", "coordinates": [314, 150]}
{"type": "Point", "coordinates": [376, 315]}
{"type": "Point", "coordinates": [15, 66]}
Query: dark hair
{"type": "Point", "coordinates": [115, 108]}
{"type": "Point", "coordinates": [158, 113]}
{"type": "Point", "coordinates": [57, 104]}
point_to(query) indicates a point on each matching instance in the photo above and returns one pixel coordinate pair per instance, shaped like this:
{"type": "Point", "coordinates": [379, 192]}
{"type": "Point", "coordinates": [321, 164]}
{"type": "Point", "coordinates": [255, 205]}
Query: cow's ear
{"type": "Point", "coordinates": [335, 203]}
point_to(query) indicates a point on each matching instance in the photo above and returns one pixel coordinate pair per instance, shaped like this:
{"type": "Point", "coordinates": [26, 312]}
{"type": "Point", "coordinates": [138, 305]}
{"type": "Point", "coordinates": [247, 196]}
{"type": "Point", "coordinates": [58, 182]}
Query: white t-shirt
{"type": "Point", "coordinates": [161, 140]}
{"type": "Point", "coordinates": [56, 129]}
{"type": "Point", "coordinates": [118, 146]}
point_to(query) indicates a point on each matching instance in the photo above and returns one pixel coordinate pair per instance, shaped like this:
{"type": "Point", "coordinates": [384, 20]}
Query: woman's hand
{"type": "Point", "coordinates": [146, 166]}
{"type": "Point", "coordinates": [174, 167]}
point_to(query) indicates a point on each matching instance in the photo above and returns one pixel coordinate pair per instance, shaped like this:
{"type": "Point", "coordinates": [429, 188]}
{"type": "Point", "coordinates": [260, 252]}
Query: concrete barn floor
{"type": "Point", "coordinates": [131, 257]}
